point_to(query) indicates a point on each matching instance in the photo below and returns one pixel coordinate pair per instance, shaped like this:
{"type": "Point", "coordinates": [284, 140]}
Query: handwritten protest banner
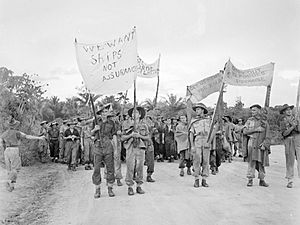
{"type": "Point", "coordinates": [109, 67]}
{"type": "Point", "coordinates": [259, 76]}
{"type": "Point", "coordinates": [147, 70]}
{"type": "Point", "coordinates": [203, 88]}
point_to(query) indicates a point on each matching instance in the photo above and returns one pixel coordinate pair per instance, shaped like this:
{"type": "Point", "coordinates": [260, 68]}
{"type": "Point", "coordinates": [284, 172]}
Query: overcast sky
{"type": "Point", "coordinates": [195, 39]}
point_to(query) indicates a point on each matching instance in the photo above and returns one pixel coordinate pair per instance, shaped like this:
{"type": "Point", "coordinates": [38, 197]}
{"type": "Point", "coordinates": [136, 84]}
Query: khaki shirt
{"type": "Point", "coordinates": [200, 129]}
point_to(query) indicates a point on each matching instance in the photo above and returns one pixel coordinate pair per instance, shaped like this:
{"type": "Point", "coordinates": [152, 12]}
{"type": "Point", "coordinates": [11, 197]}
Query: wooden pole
{"type": "Point", "coordinates": [298, 99]}
{"type": "Point", "coordinates": [93, 109]}
{"type": "Point", "coordinates": [157, 86]}
{"type": "Point", "coordinates": [268, 94]}
{"type": "Point", "coordinates": [189, 106]}
{"type": "Point", "coordinates": [218, 110]}
{"type": "Point", "coordinates": [134, 105]}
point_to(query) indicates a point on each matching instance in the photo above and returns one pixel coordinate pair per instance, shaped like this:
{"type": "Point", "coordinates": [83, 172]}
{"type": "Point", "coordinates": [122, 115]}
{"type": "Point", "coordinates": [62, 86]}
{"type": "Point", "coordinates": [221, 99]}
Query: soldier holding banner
{"type": "Point", "coordinates": [290, 130]}
{"type": "Point", "coordinates": [105, 135]}
{"type": "Point", "coordinates": [200, 147]}
{"type": "Point", "coordinates": [257, 129]}
{"type": "Point", "coordinates": [135, 144]}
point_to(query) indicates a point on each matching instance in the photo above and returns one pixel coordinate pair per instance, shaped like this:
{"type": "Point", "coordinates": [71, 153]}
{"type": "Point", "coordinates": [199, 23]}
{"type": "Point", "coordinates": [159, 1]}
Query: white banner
{"type": "Point", "coordinates": [203, 88]}
{"type": "Point", "coordinates": [147, 70]}
{"type": "Point", "coordinates": [109, 67]}
{"type": "Point", "coordinates": [259, 76]}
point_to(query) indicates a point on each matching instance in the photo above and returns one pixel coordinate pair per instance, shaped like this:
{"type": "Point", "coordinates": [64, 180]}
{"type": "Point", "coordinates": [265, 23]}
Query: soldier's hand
{"type": "Point", "coordinates": [97, 127]}
{"type": "Point", "coordinates": [135, 134]}
{"type": "Point", "coordinates": [193, 149]}
{"type": "Point", "coordinates": [260, 129]}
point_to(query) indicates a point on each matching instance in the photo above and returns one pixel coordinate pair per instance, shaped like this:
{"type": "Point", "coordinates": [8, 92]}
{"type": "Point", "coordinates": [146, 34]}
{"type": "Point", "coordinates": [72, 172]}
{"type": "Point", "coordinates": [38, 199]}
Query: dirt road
{"type": "Point", "coordinates": [173, 199]}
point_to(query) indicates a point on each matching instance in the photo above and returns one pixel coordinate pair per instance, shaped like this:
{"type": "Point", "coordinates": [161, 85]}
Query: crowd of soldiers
{"type": "Point", "coordinates": [139, 138]}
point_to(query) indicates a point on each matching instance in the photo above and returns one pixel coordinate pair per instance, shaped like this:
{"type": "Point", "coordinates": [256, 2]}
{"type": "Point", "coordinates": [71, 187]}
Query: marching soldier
{"type": "Point", "coordinates": [62, 141]}
{"type": "Point", "coordinates": [53, 134]}
{"type": "Point", "coordinates": [135, 150]}
{"type": "Point", "coordinates": [105, 134]}
{"type": "Point", "coordinates": [257, 129]}
{"type": "Point", "coordinates": [10, 140]}
{"type": "Point", "coordinates": [72, 138]}
{"type": "Point", "coordinates": [290, 130]}
{"type": "Point", "coordinates": [43, 143]}
{"type": "Point", "coordinates": [200, 147]}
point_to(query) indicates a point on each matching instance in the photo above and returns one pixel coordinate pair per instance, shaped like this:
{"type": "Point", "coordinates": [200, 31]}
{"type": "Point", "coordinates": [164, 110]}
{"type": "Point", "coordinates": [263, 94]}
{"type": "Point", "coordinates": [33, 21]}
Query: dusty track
{"type": "Point", "coordinates": [170, 200]}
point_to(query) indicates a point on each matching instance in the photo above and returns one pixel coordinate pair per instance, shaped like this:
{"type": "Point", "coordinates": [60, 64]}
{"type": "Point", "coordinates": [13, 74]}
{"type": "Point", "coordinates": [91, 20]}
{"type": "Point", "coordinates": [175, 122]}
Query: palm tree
{"type": "Point", "coordinates": [173, 105]}
{"type": "Point", "coordinates": [149, 104]}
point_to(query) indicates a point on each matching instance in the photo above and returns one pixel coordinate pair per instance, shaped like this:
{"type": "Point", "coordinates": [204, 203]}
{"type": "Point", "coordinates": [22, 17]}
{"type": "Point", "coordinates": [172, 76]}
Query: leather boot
{"type": "Point", "coordinates": [213, 171]}
{"type": "Point", "coordinates": [181, 173]}
{"type": "Point", "coordinates": [263, 183]}
{"type": "Point", "coordinates": [110, 192]}
{"type": "Point", "coordinates": [188, 172]}
{"type": "Point", "coordinates": [203, 183]}
{"type": "Point", "coordinates": [196, 184]}
{"type": "Point", "coordinates": [290, 184]}
{"type": "Point", "coordinates": [250, 183]}
{"type": "Point", "coordinates": [139, 190]}
{"type": "Point", "coordinates": [97, 193]}
{"type": "Point", "coordinates": [149, 179]}
{"type": "Point", "coordinates": [119, 183]}
{"type": "Point", "coordinates": [130, 191]}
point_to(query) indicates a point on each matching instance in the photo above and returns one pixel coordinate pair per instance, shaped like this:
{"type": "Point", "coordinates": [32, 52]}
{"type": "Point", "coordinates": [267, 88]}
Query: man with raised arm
{"type": "Point", "coordinates": [10, 140]}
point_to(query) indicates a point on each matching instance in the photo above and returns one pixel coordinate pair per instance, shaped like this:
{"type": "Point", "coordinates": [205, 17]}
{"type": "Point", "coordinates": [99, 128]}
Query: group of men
{"type": "Point", "coordinates": [102, 140]}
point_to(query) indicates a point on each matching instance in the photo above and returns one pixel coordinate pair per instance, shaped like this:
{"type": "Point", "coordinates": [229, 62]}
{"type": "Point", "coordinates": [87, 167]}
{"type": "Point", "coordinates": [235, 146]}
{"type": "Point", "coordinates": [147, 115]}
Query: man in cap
{"type": "Point", "coordinates": [200, 147]}
{"type": "Point", "coordinates": [72, 138]}
{"type": "Point", "coordinates": [135, 139]}
{"type": "Point", "coordinates": [10, 141]}
{"type": "Point", "coordinates": [43, 143]}
{"type": "Point", "coordinates": [258, 147]}
{"type": "Point", "coordinates": [290, 130]}
{"type": "Point", "coordinates": [104, 134]}
{"type": "Point", "coordinates": [62, 141]}
{"type": "Point", "coordinates": [53, 133]}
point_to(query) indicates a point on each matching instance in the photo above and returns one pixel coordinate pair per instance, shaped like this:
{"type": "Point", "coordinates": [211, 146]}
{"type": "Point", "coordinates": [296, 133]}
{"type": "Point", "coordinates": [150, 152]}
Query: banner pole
{"type": "Point", "coordinates": [157, 85]}
{"type": "Point", "coordinates": [134, 105]}
{"type": "Point", "coordinates": [268, 93]}
{"type": "Point", "coordinates": [219, 105]}
{"type": "Point", "coordinates": [298, 98]}
{"type": "Point", "coordinates": [93, 109]}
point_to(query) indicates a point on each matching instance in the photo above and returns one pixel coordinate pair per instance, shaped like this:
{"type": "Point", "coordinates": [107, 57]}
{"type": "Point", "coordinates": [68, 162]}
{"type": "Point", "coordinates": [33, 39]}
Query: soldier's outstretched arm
{"type": "Point", "coordinates": [31, 137]}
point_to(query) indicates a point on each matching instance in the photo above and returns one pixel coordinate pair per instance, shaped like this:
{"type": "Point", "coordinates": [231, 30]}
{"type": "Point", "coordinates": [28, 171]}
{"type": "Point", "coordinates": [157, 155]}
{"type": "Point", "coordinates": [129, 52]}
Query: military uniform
{"type": "Point", "coordinates": [200, 128]}
{"type": "Point", "coordinates": [11, 139]}
{"type": "Point", "coordinates": [258, 148]}
{"type": "Point", "coordinates": [71, 147]}
{"type": "Point", "coordinates": [104, 151]}
{"type": "Point", "coordinates": [181, 137]}
{"type": "Point", "coordinates": [135, 156]}
{"type": "Point", "coordinates": [62, 142]}
{"type": "Point", "coordinates": [290, 130]}
{"type": "Point", "coordinates": [88, 147]}
{"type": "Point", "coordinates": [53, 134]}
{"type": "Point", "coordinates": [43, 144]}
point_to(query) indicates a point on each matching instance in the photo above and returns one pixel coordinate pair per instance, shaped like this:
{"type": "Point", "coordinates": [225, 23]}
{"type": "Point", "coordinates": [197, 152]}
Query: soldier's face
{"type": "Point", "coordinates": [288, 112]}
{"type": "Point", "coordinates": [104, 113]}
{"type": "Point", "coordinates": [254, 111]}
{"type": "Point", "coordinates": [183, 119]}
{"type": "Point", "coordinates": [137, 114]}
{"type": "Point", "coordinates": [199, 111]}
